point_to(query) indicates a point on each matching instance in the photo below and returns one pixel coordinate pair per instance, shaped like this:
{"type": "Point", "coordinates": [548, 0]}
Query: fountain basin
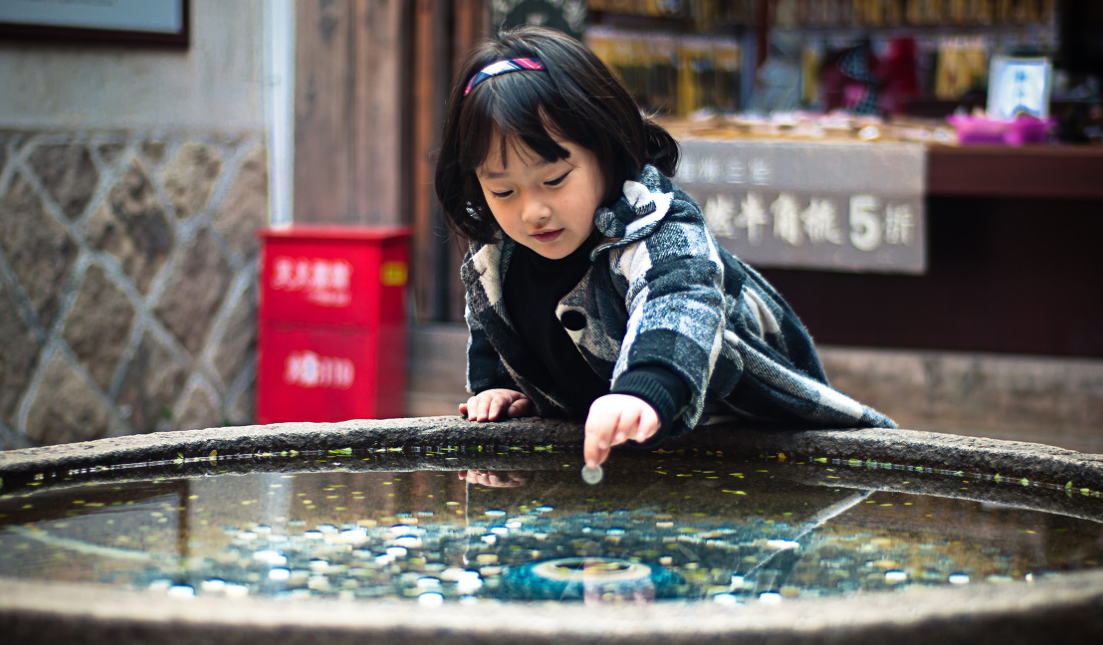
{"type": "Point", "coordinates": [1070, 604]}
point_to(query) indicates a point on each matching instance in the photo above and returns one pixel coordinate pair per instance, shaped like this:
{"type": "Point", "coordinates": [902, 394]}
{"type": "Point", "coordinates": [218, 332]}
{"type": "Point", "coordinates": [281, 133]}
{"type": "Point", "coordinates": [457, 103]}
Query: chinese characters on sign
{"type": "Point", "coordinates": [323, 281]}
{"type": "Point", "coordinates": [307, 369]}
{"type": "Point", "coordinates": [844, 207]}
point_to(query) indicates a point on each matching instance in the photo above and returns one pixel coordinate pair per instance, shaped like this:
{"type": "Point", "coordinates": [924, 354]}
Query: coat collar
{"type": "Point", "coordinates": [642, 206]}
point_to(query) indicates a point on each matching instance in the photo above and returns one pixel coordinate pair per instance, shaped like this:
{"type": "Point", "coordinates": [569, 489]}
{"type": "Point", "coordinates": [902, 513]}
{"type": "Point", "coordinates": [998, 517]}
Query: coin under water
{"type": "Point", "coordinates": [592, 475]}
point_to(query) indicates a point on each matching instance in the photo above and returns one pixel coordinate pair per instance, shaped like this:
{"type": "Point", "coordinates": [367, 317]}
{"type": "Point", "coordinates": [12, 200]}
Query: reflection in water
{"type": "Point", "coordinates": [658, 527]}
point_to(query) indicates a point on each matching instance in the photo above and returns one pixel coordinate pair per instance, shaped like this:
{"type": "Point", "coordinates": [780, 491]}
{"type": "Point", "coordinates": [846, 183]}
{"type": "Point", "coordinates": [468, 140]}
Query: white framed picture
{"type": "Point", "coordinates": [1019, 85]}
{"type": "Point", "coordinates": [148, 22]}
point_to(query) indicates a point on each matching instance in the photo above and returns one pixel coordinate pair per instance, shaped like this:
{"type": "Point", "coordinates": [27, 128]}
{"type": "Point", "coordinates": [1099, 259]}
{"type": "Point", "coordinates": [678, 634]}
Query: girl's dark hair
{"type": "Point", "coordinates": [577, 98]}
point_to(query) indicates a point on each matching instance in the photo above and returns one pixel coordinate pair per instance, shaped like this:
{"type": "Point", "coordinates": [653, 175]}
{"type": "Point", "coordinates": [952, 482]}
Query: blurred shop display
{"type": "Point", "coordinates": [808, 127]}
{"type": "Point", "coordinates": [912, 50]}
{"type": "Point", "coordinates": [894, 59]}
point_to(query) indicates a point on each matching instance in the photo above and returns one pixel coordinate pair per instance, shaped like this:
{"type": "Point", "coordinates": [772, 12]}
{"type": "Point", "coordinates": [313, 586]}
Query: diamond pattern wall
{"type": "Point", "coordinates": [127, 282]}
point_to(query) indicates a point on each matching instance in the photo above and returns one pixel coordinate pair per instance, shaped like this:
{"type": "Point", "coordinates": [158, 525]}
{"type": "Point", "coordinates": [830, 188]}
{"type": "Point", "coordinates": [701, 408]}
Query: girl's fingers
{"type": "Point", "coordinates": [494, 405]}
{"type": "Point", "coordinates": [520, 407]}
{"type": "Point", "coordinates": [471, 408]}
{"type": "Point", "coordinates": [649, 425]}
{"type": "Point", "coordinates": [626, 424]}
{"type": "Point", "coordinates": [599, 439]}
{"type": "Point", "coordinates": [498, 407]}
{"type": "Point", "coordinates": [484, 409]}
{"type": "Point", "coordinates": [593, 454]}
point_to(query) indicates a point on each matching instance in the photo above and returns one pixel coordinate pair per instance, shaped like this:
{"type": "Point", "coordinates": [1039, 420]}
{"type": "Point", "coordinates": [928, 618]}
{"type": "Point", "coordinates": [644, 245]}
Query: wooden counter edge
{"type": "Point", "coordinates": [1039, 171]}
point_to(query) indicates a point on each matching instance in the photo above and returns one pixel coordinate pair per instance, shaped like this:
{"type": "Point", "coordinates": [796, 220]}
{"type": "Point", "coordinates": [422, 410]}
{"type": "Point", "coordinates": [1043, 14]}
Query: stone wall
{"type": "Point", "coordinates": [127, 282]}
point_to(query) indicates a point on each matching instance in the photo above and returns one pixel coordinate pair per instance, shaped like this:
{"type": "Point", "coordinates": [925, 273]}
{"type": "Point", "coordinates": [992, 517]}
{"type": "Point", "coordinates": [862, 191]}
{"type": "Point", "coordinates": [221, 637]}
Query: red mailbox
{"type": "Point", "coordinates": [332, 324]}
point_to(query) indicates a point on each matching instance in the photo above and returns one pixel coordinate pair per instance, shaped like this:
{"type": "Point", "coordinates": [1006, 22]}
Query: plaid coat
{"type": "Point", "coordinates": [662, 292]}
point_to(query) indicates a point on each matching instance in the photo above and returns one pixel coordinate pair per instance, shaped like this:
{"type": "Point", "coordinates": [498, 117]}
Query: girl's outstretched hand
{"type": "Point", "coordinates": [614, 419]}
{"type": "Point", "coordinates": [495, 405]}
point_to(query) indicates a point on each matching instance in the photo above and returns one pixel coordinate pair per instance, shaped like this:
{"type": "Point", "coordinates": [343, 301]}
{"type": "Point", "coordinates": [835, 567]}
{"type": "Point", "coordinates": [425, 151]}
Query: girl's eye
{"type": "Point", "coordinates": [558, 180]}
{"type": "Point", "coordinates": [503, 194]}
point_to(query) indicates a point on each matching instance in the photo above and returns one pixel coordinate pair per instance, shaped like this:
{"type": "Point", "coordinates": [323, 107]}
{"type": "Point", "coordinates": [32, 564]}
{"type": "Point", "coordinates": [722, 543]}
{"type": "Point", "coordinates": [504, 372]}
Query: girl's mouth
{"type": "Point", "coordinates": [547, 236]}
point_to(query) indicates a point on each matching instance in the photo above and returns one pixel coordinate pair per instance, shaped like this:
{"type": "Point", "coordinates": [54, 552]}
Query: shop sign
{"type": "Point", "coordinates": [307, 369]}
{"type": "Point", "coordinates": [834, 206]}
{"type": "Point", "coordinates": [324, 281]}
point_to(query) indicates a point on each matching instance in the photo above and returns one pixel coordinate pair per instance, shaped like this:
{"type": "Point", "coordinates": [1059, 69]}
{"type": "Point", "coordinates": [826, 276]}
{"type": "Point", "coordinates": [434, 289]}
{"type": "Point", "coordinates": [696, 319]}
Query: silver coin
{"type": "Point", "coordinates": [592, 475]}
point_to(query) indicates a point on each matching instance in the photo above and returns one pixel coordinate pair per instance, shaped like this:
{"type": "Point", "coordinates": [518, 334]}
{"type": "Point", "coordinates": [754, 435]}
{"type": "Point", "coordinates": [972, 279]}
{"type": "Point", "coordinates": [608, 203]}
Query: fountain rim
{"type": "Point", "coordinates": [70, 610]}
{"type": "Point", "coordinates": [131, 616]}
{"type": "Point", "coordinates": [1032, 460]}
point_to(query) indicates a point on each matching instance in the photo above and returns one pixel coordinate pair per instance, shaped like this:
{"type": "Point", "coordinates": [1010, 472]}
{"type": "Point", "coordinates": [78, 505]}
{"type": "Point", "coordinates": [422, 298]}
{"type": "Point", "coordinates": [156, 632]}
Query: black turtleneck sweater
{"type": "Point", "coordinates": [533, 287]}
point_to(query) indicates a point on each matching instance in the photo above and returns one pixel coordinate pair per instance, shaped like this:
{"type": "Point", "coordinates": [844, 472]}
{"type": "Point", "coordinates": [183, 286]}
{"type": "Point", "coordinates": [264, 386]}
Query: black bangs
{"type": "Point", "coordinates": [516, 109]}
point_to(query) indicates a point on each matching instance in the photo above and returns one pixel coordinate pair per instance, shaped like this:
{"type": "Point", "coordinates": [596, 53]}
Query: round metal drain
{"type": "Point", "coordinates": [591, 579]}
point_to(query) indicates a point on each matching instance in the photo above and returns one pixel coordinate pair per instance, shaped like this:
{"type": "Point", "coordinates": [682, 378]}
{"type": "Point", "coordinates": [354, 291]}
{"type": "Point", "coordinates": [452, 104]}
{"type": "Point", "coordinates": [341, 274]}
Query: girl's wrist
{"type": "Point", "coordinates": [660, 388]}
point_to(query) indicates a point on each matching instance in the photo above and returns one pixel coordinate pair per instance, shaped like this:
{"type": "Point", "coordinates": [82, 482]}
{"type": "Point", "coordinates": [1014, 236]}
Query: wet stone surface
{"type": "Point", "coordinates": [696, 527]}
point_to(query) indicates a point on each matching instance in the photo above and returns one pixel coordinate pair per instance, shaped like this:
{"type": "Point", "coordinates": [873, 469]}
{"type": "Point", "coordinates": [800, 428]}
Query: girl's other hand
{"type": "Point", "coordinates": [495, 405]}
{"type": "Point", "coordinates": [614, 419]}
{"type": "Point", "coordinates": [494, 478]}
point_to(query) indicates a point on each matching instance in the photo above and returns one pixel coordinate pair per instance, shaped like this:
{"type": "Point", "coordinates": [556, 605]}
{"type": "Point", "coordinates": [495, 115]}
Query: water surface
{"type": "Point", "coordinates": [695, 526]}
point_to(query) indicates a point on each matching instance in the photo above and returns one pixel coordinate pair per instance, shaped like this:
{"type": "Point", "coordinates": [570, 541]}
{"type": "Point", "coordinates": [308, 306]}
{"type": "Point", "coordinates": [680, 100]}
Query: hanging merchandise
{"type": "Point", "coordinates": [850, 80]}
{"type": "Point", "coordinates": [659, 62]}
{"type": "Point", "coordinates": [728, 62]}
{"type": "Point", "coordinates": [898, 75]}
{"type": "Point", "coordinates": [962, 67]}
{"type": "Point", "coordinates": [811, 59]}
{"type": "Point", "coordinates": [697, 75]}
{"type": "Point", "coordinates": [672, 74]}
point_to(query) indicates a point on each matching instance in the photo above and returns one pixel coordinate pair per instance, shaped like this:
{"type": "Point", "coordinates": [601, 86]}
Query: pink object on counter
{"type": "Point", "coordinates": [979, 130]}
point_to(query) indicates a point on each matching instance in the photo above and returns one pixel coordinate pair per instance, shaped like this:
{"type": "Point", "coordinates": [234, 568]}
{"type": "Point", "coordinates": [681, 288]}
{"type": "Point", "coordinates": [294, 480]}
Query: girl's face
{"type": "Point", "coordinates": [546, 206]}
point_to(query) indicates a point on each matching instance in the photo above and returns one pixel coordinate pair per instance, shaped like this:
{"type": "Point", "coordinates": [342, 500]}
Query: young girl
{"type": "Point", "coordinates": [594, 288]}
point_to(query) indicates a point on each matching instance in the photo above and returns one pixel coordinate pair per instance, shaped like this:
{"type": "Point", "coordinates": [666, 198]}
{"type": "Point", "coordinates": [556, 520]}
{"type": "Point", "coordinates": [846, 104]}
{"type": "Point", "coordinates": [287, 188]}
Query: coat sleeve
{"type": "Point", "coordinates": [674, 297]}
{"type": "Point", "coordinates": [485, 368]}
{"type": "Point", "coordinates": [697, 312]}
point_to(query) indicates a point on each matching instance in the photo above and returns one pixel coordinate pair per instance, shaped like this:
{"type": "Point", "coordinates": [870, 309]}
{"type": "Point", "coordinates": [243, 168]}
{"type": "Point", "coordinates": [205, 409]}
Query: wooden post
{"type": "Point", "coordinates": [372, 77]}
{"type": "Point", "coordinates": [322, 64]}
{"type": "Point", "coordinates": [348, 116]}
{"type": "Point", "coordinates": [431, 78]}
{"type": "Point", "coordinates": [376, 190]}
{"type": "Point", "coordinates": [472, 23]}
{"type": "Point", "coordinates": [422, 257]}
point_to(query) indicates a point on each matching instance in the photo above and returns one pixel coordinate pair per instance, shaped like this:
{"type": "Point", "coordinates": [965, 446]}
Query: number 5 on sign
{"type": "Point", "coordinates": [865, 225]}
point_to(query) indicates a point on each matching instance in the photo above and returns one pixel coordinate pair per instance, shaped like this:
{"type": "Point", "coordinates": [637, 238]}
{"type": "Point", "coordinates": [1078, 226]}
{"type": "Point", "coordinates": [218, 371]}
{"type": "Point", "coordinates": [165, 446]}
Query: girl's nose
{"type": "Point", "coordinates": [535, 210]}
